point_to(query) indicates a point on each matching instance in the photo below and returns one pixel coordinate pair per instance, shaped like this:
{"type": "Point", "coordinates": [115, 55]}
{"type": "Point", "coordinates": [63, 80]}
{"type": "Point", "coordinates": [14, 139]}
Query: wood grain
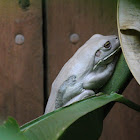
{"type": "Point", "coordinates": [88, 17]}
{"type": "Point", "coordinates": [21, 67]}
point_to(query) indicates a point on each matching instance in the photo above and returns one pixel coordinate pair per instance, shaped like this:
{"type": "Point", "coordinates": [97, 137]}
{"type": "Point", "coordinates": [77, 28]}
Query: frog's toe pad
{"type": "Point", "coordinates": [87, 93]}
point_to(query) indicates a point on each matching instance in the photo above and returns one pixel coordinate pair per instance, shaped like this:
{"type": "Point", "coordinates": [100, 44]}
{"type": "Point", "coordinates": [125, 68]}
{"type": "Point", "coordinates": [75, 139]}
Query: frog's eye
{"type": "Point", "coordinates": [107, 45]}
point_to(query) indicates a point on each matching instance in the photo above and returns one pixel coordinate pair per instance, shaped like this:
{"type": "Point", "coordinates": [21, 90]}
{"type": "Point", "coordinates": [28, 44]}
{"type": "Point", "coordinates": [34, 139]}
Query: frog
{"type": "Point", "coordinates": [85, 72]}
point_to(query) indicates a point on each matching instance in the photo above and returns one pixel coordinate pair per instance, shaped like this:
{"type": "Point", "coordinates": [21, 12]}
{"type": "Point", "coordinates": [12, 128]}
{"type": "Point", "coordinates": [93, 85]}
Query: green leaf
{"type": "Point", "coordinates": [53, 125]}
{"type": "Point", "coordinates": [11, 131]}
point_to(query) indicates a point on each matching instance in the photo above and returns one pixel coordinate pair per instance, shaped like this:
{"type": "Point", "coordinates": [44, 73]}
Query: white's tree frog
{"type": "Point", "coordinates": [86, 72]}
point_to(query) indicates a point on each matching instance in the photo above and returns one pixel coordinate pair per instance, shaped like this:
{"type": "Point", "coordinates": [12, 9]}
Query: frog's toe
{"type": "Point", "coordinates": [83, 95]}
{"type": "Point", "coordinates": [87, 93]}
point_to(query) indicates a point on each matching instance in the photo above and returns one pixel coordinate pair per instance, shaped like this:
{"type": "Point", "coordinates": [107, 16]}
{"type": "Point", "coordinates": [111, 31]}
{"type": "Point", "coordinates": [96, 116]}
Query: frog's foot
{"type": "Point", "coordinates": [83, 95]}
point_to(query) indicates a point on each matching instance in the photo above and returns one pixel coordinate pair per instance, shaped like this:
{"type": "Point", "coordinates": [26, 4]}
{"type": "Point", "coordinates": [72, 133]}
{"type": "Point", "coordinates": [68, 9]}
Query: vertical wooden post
{"type": "Point", "coordinates": [21, 64]}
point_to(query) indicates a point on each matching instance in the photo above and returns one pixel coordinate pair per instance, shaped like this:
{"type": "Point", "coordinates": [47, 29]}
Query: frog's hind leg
{"type": "Point", "coordinates": [83, 95]}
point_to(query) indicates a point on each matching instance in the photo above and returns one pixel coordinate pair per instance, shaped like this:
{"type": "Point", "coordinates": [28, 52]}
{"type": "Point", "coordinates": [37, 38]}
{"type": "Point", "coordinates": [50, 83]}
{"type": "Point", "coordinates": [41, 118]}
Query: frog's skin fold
{"type": "Point", "coordinates": [85, 72]}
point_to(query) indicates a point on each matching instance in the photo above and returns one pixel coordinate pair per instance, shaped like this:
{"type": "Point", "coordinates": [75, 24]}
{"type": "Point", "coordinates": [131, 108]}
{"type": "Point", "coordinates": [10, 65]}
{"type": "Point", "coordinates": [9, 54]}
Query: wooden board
{"type": "Point", "coordinates": [21, 66]}
{"type": "Point", "coordinates": [87, 17]}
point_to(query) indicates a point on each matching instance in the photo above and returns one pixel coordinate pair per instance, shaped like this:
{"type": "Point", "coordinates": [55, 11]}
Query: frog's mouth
{"type": "Point", "coordinates": [108, 59]}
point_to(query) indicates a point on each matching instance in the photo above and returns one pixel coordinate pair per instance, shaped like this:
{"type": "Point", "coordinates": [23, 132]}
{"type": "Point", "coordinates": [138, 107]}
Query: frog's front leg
{"type": "Point", "coordinates": [81, 96]}
{"type": "Point", "coordinates": [98, 78]}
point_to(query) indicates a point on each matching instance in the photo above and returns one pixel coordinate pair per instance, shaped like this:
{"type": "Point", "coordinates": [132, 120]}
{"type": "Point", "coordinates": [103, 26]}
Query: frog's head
{"type": "Point", "coordinates": [109, 46]}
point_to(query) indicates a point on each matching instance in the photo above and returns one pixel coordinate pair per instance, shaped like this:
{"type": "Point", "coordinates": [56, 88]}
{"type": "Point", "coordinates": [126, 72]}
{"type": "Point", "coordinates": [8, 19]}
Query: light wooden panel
{"type": "Point", "coordinates": [21, 66]}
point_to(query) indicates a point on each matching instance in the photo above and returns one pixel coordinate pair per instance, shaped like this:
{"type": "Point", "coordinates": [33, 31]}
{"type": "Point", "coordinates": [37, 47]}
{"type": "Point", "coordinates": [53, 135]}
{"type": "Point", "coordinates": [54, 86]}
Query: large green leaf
{"type": "Point", "coordinates": [53, 125]}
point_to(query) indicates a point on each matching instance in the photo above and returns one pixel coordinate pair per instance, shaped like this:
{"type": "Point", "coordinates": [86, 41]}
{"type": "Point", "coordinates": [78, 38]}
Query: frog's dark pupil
{"type": "Point", "coordinates": [107, 44]}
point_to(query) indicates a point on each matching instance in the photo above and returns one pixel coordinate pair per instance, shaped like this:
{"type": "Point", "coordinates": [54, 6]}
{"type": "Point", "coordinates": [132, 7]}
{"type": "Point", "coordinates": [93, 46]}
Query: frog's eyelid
{"type": "Point", "coordinates": [107, 43]}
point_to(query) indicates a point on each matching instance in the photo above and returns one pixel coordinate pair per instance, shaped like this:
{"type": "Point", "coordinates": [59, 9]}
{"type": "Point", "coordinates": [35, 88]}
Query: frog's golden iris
{"type": "Point", "coordinates": [107, 45]}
